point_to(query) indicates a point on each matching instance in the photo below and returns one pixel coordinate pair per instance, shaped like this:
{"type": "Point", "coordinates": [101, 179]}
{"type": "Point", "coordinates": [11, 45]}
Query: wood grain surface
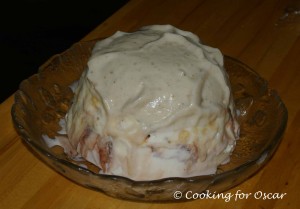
{"type": "Point", "coordinates": [264, 34]}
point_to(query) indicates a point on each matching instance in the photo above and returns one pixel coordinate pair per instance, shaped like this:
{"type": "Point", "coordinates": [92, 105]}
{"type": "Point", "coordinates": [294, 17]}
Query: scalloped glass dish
{"type": "Point", "coordinates": [44, 98]}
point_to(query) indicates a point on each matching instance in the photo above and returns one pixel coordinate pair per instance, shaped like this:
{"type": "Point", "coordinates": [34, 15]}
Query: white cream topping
{"type": "Point", "coordinates": [152, 104]}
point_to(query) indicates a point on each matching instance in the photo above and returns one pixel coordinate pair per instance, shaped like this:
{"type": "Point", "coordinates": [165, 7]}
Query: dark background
{"type": "Point", "coordinates": [31, 31]}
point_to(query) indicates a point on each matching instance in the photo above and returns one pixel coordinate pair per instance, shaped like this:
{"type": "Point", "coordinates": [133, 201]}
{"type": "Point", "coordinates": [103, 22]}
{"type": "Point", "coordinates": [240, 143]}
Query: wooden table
{"type": "Point", "coordinates": [262, 34]}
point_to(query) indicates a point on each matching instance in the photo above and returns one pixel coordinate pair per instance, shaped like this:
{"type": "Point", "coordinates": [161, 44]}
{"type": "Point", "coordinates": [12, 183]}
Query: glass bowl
{"type": "Point", "coordinates": [44, 98]}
